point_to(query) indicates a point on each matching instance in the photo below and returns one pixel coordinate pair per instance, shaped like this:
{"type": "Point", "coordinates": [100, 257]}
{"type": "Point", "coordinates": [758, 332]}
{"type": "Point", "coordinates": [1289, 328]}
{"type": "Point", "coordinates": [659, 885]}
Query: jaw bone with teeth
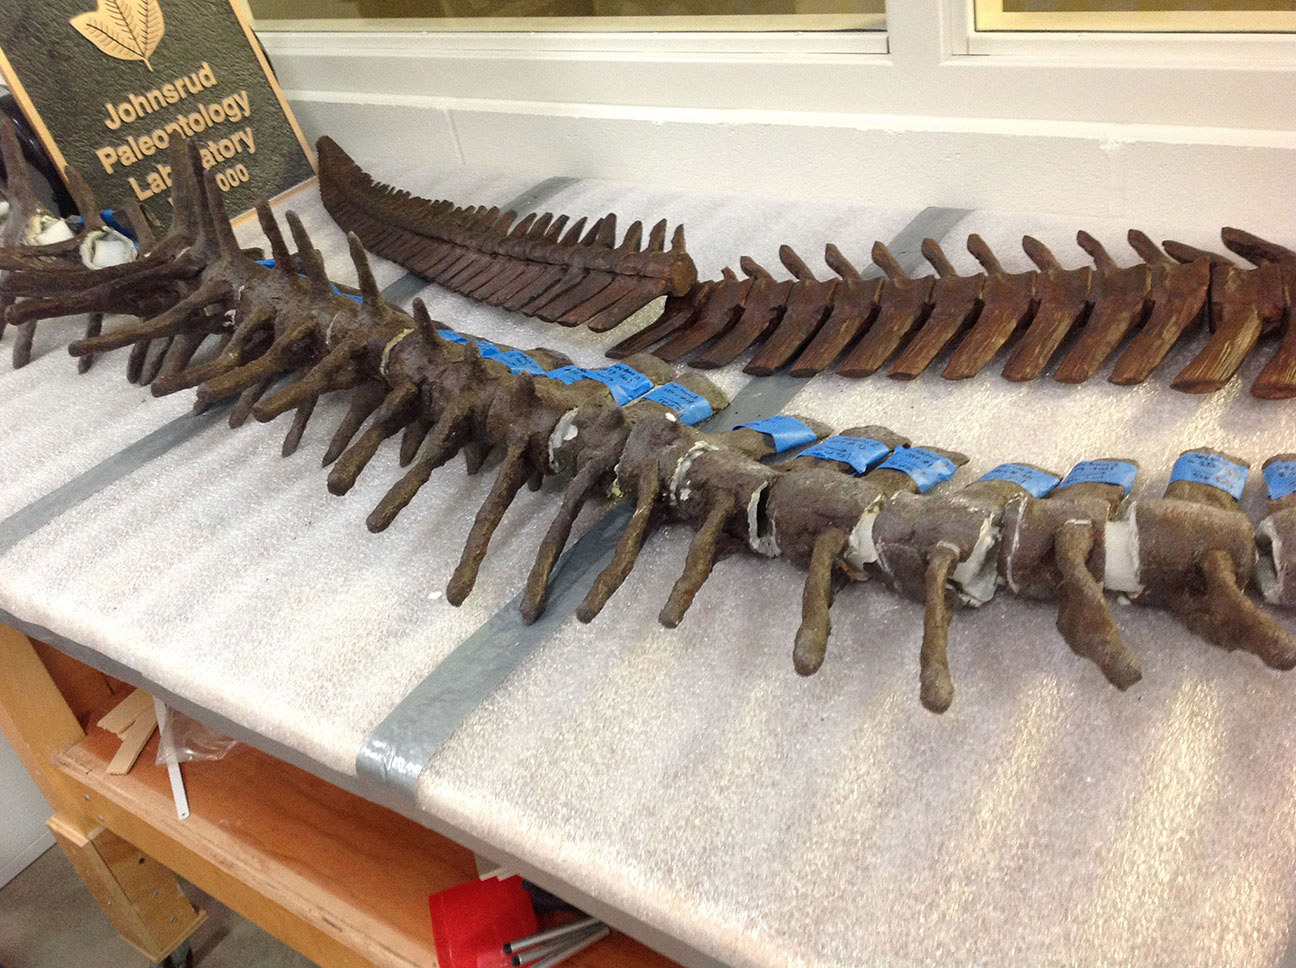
{"type": "Point", "coordinates": [856, 503]}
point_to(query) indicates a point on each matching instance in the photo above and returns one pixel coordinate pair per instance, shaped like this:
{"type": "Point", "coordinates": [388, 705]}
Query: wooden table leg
{"type": "Point", "coordinates": [141, 897]}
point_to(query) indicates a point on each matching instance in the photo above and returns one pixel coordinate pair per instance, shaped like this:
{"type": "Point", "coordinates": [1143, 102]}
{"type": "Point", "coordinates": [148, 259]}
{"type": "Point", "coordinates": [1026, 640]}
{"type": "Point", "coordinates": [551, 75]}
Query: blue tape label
{"type": "Point", "coordinates": [1205, 468]}
{"type": "Point", "coordinates": [519, 362]}
{"type": "Point", "coordinates": [1037, 483]}
{"type": "Point", "coordinates": [569, 374]}
{"type": "Point", "coordinates": [861, 453]}
{"type": "Point", "coordinates": [488, 350]}
{"type": "Point", "coordinates": [625, 382]}
{"type": "Point", "coordinates": [452, 336]}
{"type": "Point", "coordinates": [927, 469]}
{"type": "Point", "coordinates": [691, 407]}
{"type": "Point", "coordinates": [1120, 472]}
{"type": "Point", "coordinates": [786, 432]}
{"type": "Point", "coordinates": [1281, 478]}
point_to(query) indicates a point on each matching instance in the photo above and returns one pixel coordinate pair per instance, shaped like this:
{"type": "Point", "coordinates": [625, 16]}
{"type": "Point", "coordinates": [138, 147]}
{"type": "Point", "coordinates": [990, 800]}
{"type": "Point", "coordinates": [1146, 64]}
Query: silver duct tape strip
{"type": "Point", "coordinates": [402, 745]}
{"type": "Point", "coordinates": [375, 793]}
{"type": "Point", "coordinates": [126, 461]}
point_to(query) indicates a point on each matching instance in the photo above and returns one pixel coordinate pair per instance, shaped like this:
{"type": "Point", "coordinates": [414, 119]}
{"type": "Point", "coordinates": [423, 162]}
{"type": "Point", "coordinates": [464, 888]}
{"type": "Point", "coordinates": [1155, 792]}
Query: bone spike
{"type": "Point", "coordinates": [278, 248]}
{"type": "Point", "coordinates": [153, 365]}
{"type": "Point", "coordinates": [754, 269]}
{"type": "Point", "coordinates": [1226, 617]}
{"type": "Point", "coordinates": [317, 381]}
{"type": "Point", "coordinates": [1147, 249]}
{"type": "Point", "coordinates": [982, 252]}
{"type": "Point", "coordinates": [442, 444]}
{"type": "Point", "coordinates": [816, 599]}
{"type": "Point", "coordinates": [839, 264]}
{"type": "Point", "coordinates": [275, 360]}
{"type": "Point", "coordinates": [368, 285]}
{"type": "Point", "coordinates": [246, 401]}
{"type": "Point", "coordinates": [657, 237]}
{"type": "Point", "coordinates": [84, 198]}
{"type": "Point", "coordinates": [1039, 253]}
{"type": "Point", "coordinates": [677, 240]}
{"type": "Point", "coordinates": [934, 254]}
{"type": "Point", "coordinates": [366, 399]}
{"type": "Point", "coordinates": [512, 475]}
{"type": "Point", "coordinates": [633, 237]}
{"type": "Point", "coordinates": [555, 539]}
{"type": "Point", "coordinates": [224, 231]}
{"type": "Point", "coordinates": [210, 293]}
{"type": "Point", "coordinates": [627, 550]}
{"type": "Point", "coordinates": [18, 186]}
{"type": "Point", "coordinates": [391, 416]}
{"type": "Point", "coordinates": [936, 686]}
{"type": "Point", "coordinates": [23, 345]}
{"type": "Point", "coordinates": [1083, 617]}
{"type": "Point", "coordinates": [1182, 252]}
{"type": "Point", "coordinates": [412, 439]}
{"type": "Point", "coordinates": [794, 264]}
{"type": "Point", "coordinates": [94, 326]}
{"type": "Point", "coordinates": [1255, 249]}
{"type": "Point", "coordinates": [139, 224]}
{"type": "Point", "coordinates": [135, 362]}
{"type": "Point", "coordinates": [885, 261]}
{"type": "Point", "coordinates": [1094, 248]}
{"type": "Point", "coordinates": [698, 565]}
{"type": "Point", "coordinates": [426, 327]}
{"type": "Point", "coordinates": [294, 435]}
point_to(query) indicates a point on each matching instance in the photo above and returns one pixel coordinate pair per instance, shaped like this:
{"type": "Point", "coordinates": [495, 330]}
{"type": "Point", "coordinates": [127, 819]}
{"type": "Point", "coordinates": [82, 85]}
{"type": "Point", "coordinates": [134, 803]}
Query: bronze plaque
{"type": "Point", "coordinates": [110, 84]}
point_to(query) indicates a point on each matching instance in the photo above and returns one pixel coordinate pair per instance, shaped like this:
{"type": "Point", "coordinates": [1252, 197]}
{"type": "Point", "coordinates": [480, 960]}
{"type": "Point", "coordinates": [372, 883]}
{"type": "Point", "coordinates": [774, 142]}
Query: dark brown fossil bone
{"type": "Point", "coordinates": [855, 303]}
{"type": "Point", "coordinates": [955, 299]}
{"type": "Point", "coordinates": [1277, 381]}
{"type": "Point", "coordinates": [808, 305]}
{"type": "Point", "coordinates": [1008, 300]}
{"type": "Point", "coordinates": [1064, 296]}
{"type": "Point", "coordinates": [924, 541]}
{"type": "Point", "coordinates": [902, 307]}
{"type": "Point", "coordinates": [525, 266]}
{"type": "Point", "coordinates": [1055, 549]}
{"type": "Point", "coordinates": [452, 393]}
{"type": "Point", "coordinates": [762, 310]}
{"type": "Point", "coordinates": [1179, 298]}
{"type": "Point", "coordinates": [1120, 299]}
{"type": "Point", "coordinates": [1243, 304]}
{"type": "Point", "coordinates": [1276, 534]}
{"type": "Point", "coordinates": [1196, 555]}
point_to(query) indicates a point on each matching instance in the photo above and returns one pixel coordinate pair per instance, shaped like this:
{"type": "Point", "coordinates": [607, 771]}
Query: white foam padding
{"type": "Point", "coordinates": [690, 777]}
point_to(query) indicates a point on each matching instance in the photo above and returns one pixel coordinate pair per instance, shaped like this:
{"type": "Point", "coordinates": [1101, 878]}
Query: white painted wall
{"type": "Point", "coordinates": [1166, 129]}
{"type": "Point", "coordinates": [23, 812]}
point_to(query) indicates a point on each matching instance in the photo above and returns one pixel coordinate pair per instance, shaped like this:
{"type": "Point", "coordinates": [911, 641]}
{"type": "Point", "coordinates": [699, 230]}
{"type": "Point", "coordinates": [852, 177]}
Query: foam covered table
{"type": "Point", "coordinates": [687, 785]}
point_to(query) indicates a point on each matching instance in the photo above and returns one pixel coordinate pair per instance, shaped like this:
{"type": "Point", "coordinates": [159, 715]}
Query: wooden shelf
{"type": "Point", "coordinates": [342, 880]}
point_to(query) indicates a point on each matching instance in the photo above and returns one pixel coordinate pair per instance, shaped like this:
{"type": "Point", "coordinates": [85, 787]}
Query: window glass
{"type": "Point", "coordinates": [1154, 15]}
{"type": "Point", "coordinates": [579, 15]}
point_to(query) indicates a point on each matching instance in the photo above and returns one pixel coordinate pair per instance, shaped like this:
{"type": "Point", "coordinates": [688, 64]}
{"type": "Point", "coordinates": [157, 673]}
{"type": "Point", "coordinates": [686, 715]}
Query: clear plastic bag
{"type": "Point", "coordinates": [183, 739]}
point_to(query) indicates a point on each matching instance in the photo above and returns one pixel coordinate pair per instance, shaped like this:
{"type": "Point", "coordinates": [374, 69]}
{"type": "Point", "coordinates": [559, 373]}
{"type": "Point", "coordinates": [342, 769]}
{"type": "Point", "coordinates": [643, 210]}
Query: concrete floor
{"type": "Point", "coordinates": [49, 920]}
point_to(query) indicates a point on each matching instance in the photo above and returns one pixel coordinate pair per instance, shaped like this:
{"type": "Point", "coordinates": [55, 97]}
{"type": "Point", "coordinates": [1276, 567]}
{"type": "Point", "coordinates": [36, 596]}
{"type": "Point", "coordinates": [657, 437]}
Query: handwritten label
{"type": "Point", "coordinates": [1202, 467]}
{"type": "Point", "coordinates": [519, 362]}
{"type": "Point", "coordinates": [1034, 481]}
{"type": "Point", "coordinates": [691, 407]}
{"type": "Point", "coordinates": [861, 453]}
{"type": "Point", "coordinates": [1280, 476]}
{"type": "Point", "coordinates": [786, 432]}
{"type": "Point", "coordinates": [625, 382]}
{"type": "Point", "coordinates": [926, 468]}
{"type": "Point", "coordinates": [1121, 472]}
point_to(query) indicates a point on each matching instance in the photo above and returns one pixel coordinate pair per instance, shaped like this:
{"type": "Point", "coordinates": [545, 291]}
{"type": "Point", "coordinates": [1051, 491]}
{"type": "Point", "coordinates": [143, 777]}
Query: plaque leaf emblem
{"type": "Point", "coordinates": [125, 29]}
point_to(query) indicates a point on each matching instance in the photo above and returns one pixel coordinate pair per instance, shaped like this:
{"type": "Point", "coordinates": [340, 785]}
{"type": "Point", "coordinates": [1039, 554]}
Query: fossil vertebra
{"type": "Point", "coordinates": [859, 504]}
